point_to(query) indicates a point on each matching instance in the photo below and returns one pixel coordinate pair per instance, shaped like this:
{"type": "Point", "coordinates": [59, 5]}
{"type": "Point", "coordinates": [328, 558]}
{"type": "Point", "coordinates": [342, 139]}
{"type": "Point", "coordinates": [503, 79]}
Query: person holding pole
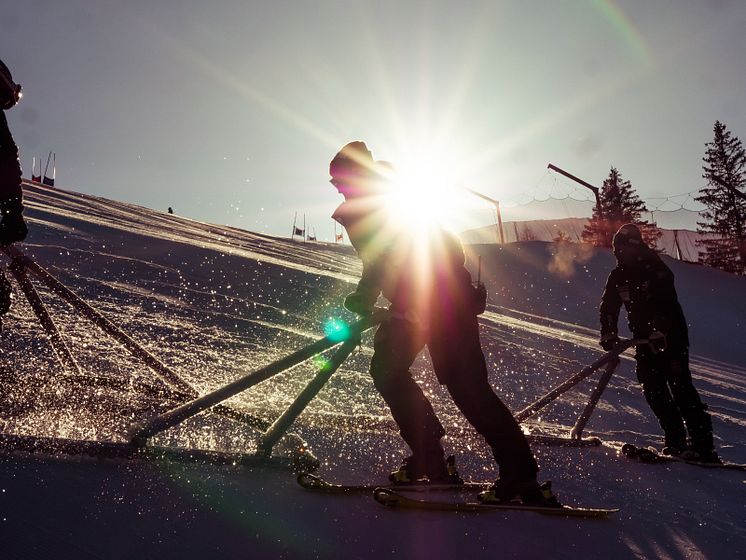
{"type": "Point", "coordinates": [12, 227]}
{"type": "Point", "coordinates": [645, 286]}
{"type": "Point", "coordinates": [435, 304]}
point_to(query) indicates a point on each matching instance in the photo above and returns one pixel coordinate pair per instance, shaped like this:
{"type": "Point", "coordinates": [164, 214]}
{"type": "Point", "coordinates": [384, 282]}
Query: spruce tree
{"type": "Point", "coordinates": [619, 205]}
{"type": "Point", "coordinates": [725, 214]}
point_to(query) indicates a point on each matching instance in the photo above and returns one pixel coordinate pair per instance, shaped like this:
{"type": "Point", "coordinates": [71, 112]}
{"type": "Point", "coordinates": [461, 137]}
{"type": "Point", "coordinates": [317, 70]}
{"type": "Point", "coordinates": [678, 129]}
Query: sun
{"type": "Point", "coordinates": [422, 191]}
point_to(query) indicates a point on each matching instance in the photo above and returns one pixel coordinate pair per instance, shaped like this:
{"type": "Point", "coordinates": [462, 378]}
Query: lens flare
{"type": "Point", "coordinates": [320, 362]}
{"type": "Point", "coordinates": [336, 329]}
{"type": "Point", "coordinates": [422, 192]}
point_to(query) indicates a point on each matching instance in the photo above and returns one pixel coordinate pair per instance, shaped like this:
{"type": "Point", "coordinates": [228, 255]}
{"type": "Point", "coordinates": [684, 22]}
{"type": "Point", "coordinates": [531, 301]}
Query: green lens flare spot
{"type": "Point", "coordinates": [320, 362]}
{"type": "Point", "coordinates": [336, 330]}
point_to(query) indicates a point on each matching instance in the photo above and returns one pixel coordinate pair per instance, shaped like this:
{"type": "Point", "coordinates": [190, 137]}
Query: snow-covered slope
{"type": "Point", "coordinates": [215, 303]}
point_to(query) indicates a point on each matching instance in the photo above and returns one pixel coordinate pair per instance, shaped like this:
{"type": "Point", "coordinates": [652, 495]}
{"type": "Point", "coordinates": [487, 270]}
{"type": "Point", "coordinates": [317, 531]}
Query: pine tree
{"type": "Point", "coordinates": [725, 214]}
{"type": "Point", "coordinates": [619, 205]}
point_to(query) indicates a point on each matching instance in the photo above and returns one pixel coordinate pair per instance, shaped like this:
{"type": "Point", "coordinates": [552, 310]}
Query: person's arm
{"type": "Point", "coordinates": [611, 303]}
{"type": "Point", "coordinates": [364, 298]}
{"type": "Point", "coordinates": [12, 225]}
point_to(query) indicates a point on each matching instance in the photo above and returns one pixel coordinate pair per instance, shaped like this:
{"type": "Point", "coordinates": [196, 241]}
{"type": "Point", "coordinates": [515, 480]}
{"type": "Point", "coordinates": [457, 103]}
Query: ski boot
{"type": "Point", "coordinates": [672, 451]}
{"type": "Point", "coordinates": [696, 456]}
{"type": "Point", "coordinates": [415, 471]}
{"type": "Point", "coordinates": [527, 493]}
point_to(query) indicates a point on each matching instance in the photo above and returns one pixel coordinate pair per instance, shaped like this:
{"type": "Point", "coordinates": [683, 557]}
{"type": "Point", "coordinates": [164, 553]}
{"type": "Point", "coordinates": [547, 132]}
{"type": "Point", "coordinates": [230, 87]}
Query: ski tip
{"type": "Point", "coordinates": [386, 497]}
{"type": "Point", "coordinates": [308, 480]}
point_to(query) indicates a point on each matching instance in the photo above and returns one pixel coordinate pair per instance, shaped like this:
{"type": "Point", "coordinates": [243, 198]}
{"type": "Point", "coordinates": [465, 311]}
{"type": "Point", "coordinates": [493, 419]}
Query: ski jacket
{"type": "Point", "coordinates": [648, 294]}
{"type": "Point", "coordinates": [10, 168]}
{"type": "Point", "coordinates": [422, 274]}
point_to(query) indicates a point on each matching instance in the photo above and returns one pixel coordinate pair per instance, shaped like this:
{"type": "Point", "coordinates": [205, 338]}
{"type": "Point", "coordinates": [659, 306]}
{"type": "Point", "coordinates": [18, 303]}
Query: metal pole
{"type": "Point", "coordinates": [46, 168]}
{"type": "Point", "coordinates": [140, 432]}
{"type": "Point", "coordinates": [577, 431]}
{"type": "Point", "coordinates": [55, 338]}
{"type": "Point", "coordinates": [536, 406]}
{"type": "Point", "coordinates": [181, 388]}
{"type": "Point", "coordinates": [107, 326]}
{"type": "Point", "coordinates": [500, 223]}
{"type": "Point", "coordinates": [496, 204]}
{"type": "Point", "coordinates": [280, 426]}
{"type": "Point", "coordinates": [581, 182]}
{"type": "Point", "coordinates": [677, 247]}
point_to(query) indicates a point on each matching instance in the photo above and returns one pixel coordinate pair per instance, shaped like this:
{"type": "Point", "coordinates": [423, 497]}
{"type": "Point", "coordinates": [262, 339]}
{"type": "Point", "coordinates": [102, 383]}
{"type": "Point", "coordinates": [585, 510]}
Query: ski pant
{"type": "Point", "coordinates": [459, 365]}
{"type": "Point", "coordinates": [5, 294]}
{"type": "Point", "coordinates": [667, 385]}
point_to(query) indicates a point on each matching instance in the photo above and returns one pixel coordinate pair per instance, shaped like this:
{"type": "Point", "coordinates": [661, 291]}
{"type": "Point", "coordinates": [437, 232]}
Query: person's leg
{"type": "Point", "coordinates": [6, 292]}
{"type": "Point", "coordinates": [460, 365]}
{"type": "Point", "coordinates": [686, 397]}
{"type": "Point", "coordinates": [652, 376]}
{"type": "Point", "coordinates": [396, 345]}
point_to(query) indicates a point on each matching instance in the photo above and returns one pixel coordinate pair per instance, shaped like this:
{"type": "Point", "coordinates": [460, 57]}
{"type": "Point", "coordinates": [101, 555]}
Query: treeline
{"type": "Point", "coordinates": [723, 195]}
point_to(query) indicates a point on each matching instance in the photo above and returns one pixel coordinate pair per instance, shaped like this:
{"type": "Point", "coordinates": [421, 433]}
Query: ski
{"type": "Point", "coordinates": [652, 455]}
{"type": "Point", "coordinates": [61, 448]}
{"type": "Point", "coordinates": [318, 484]}
{"type": "Point", "coordinates": [393, 499]}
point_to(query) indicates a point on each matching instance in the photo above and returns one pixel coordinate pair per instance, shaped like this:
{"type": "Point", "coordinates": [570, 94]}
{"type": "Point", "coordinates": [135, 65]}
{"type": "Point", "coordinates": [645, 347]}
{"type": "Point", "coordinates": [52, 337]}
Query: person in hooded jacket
{"type": "Point", "coordinates": [435, 304]}
{"type": "Point", "coordinates": [644, 284]}
{"type": "Point", "coordinates": [12, 225]}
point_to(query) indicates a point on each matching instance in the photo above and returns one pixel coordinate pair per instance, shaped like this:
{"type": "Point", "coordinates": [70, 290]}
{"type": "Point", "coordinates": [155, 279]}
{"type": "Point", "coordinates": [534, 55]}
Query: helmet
{"type": "Point", "coordinates": [354, 159]}
{"type": "Point", "coordinates": [628, 234]}
{"type": "Point", "coordinates": [10, 92]}
{"type": "Point", "coordinates": [628, 245]}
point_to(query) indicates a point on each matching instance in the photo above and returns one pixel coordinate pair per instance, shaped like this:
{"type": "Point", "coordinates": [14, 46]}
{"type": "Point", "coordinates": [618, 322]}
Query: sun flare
{"type": "Point", "coordinates": [422, 191]}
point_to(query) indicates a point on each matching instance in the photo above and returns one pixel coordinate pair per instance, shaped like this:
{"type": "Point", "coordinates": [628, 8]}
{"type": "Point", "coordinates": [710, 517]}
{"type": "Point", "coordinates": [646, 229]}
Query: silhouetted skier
{"type": "Point", "coordinates": [12, 227]}
{"type": "Point", "coordinates": [645, 286]}
{"type": "Point", "coordinates": [433, 303]}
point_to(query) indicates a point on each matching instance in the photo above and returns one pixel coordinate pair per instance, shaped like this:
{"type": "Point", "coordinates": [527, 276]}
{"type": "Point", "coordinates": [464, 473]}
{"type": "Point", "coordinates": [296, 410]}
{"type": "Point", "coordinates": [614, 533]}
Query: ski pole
{"type": "Point", "coordinates": [577, 431]}
{"type": "Point", "coordinates": [536, 406]}
{"type": "Point", "coordinates": [140, 432]}
{"type": "Point", "coordinates": [280, 426]}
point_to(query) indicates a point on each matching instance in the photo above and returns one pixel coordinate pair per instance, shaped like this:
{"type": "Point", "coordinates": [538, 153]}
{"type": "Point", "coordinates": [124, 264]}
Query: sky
{"type": "Point", "coordinates": [230, 111]}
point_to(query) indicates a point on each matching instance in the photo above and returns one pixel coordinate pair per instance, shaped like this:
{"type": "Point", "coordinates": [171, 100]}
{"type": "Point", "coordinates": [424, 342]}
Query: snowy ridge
{"type": "Point", "coordinates": [215, 303]}
{"type": "Point", "coordinates": [572, 228]}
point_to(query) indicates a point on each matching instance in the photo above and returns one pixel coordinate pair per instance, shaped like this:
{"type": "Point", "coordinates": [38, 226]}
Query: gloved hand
{"type": "Point", "coordinates": [657, 341]}
{"type": "Point", "coordinates": [356, 303]}
{"type": "Point", "coordinates": [608, 341]}
{"type": "Point", "coordinates": [479, 298]}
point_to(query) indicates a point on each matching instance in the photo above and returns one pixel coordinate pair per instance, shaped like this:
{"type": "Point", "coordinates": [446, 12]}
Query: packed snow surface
{"type": "Point", "coordinates": [215, 303]}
